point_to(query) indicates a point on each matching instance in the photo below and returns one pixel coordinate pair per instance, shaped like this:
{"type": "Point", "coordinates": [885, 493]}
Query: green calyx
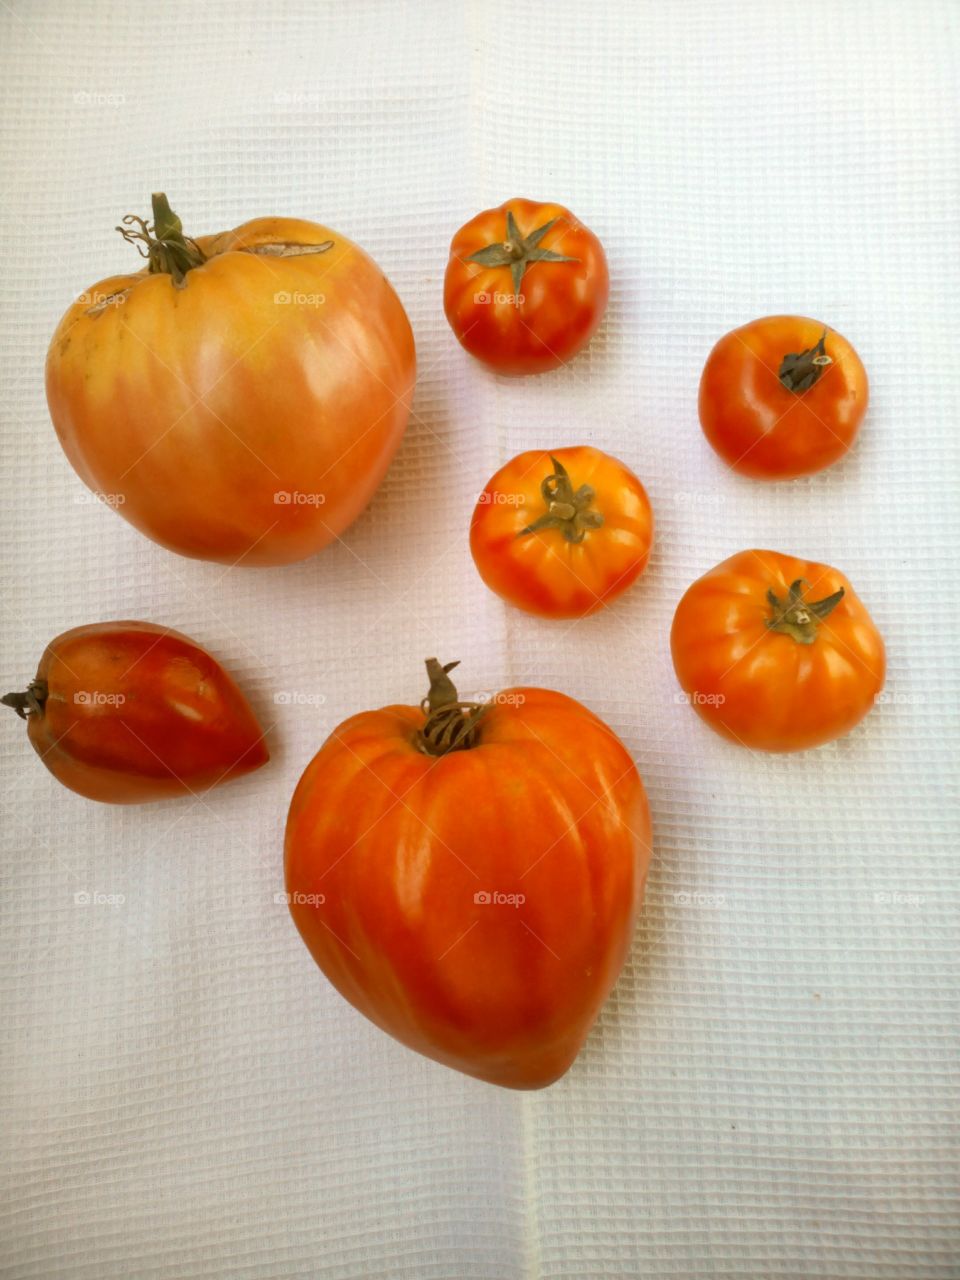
{"type": "Point", "coordinates": [518, 252]}
{"type": "Point", "coordinates": [799, 618]}
{"type": "Point", "coordinates": [568, 510]}
{"type": "Point", "coordinates": [451, 725]}
{"type": "Point", "coordinates": [163, 244]}
{"type": "Point", "coordinates": [798, 372]}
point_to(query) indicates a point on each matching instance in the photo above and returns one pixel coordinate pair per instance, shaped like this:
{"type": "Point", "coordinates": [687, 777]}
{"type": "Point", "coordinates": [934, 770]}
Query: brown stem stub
{"type": "Point", "coordinates": [30, 702]}
{"type": "Point", "coordinates": [799, 371]}
{"type": "Point", "coordinates": [451, 725]}
{"type": "Point", "coordinates": [167, 250]}
{"type": "Point", "coordinates": [799, 618]}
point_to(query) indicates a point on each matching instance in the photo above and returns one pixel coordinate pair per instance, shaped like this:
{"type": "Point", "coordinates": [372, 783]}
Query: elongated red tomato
{"type": "Point", "coordinates": [239, 399]}
{"type": "Point", "coordinates": [777, 653]}
{"type": "Point", "coordinates": [526, 286]}
{"type": "Point", "coordinates": [468, 875]}
{"type": "Point", "coordinates": [562, 534]}
{"type": "Point", "coordinates": [781, 397]}
{"type": "Point", "coordinates": [128, 712]}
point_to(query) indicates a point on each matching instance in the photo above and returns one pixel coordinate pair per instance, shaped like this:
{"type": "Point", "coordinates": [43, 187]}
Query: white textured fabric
{"type": "Point", "coordinates": [771, 1090]}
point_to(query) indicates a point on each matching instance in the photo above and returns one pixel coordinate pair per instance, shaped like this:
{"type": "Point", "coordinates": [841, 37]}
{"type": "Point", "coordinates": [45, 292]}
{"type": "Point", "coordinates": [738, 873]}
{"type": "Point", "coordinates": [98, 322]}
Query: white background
{"type": "Point", "coordinates": [771, 1090]}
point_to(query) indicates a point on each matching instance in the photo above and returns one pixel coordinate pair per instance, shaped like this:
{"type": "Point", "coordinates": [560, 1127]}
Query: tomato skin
{"type": "Point", "coordinates": [548, 804]}
{"type": "Point", "coordinates": [542, 572]}
{"type": "Point", "coordinates": [136, 712]}
{"type": "Point", "coordinates": [193, 408]}
{"type": "Point", "coordinates": [762, 688]}
{"type": "Point", "coordinates": [563, 302]}
{"type": "Point", "coordinates": [759, 427]}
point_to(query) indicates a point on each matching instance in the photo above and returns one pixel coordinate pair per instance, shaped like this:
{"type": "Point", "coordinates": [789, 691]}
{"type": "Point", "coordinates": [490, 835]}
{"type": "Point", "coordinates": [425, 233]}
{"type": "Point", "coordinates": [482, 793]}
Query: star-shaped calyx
{"type": "Point", "coordinates": [518, 252]}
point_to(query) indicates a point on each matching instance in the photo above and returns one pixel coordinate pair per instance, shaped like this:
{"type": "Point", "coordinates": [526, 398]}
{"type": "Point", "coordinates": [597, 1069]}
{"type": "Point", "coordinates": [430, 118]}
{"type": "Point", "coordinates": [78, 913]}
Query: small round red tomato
{"type": "Point", "coordinates": [468, 875]}
{"type": "Point", "coordinates": [241, 397]}
{"type": "Point", "coordinates": [526, 286]}
{"type": "Point", "coordinates": [562, 534]}
{"type": "Point", "coordinates": [782, 397]}
{"type": "Point", "coordinates": [128, 712]}
{"type": "Point", "coordinates": [776, 653]}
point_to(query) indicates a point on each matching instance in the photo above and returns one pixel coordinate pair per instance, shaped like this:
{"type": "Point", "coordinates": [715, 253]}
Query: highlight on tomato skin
{"type": "Point", "coordinates": [483, 921]}
{"type": "Point", "coordinates": [526, 286]}
{"type": "Point", "coordinates": [131, 712]}
{"type": "Point", "coordinates": [777, 653]}
{"type": "Point", "coordinates": [241, 397]}
{"type": "Point", "coordinates": [782, 397]}
{"type": "Point", "coordinates": [562, 533]}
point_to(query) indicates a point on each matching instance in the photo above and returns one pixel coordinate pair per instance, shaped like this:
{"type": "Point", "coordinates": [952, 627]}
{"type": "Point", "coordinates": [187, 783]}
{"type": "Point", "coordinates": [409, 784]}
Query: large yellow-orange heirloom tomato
{"type": "Point", "coordinates": [777, 653]}
{"type": "Point", "coordinates": [468, 875]}
{"type": "Point", "coordinates": [240, 398]}
{"type": "Point", "coordinates": [562, 534]}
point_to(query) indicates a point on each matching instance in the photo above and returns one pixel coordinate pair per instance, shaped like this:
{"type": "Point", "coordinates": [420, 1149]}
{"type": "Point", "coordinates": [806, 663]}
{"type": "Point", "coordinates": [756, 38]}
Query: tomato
{"type": "Point", "coordinates": [128, 712]}
{"type": "Point", "coordinates": [782, 397]}
{"type": "Point", "coordinates": [240, 398]}
{"type": "Point", "coordinates": [468, 875]}
{"type": "Point", "coordinates": [562, 534]}
{"type": "Point", "coordinates": [776, 653]}
{"type": "Point", "coordinates": [526, 286]}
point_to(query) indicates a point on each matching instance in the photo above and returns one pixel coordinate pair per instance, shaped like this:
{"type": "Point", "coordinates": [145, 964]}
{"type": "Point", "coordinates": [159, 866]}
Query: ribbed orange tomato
{"type": "Point", "coordinates": [240, 398]}
{"type": "Point", "coordinates": [562, 534]}
{"type": "Point", "coordinates": [468, 875]}
{"type": "Point", "coordinates": [777, 653]}
{"type": "Point", "coordinates": [128, 712]}
{"type": "Point", "coordinates": [781, 397]}
{"type": "Point", "coordinates": [526, 286]}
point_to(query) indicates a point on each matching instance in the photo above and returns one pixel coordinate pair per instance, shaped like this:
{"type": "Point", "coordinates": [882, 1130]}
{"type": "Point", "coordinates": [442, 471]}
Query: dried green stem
{"type": "Point", "coordinates": [799, 618]}
{"type": "Point", "coordinates": [163, 244]}
{"type": "Point", "coordinates": [451, 725]}
{"type": "Point", "coordinates": [568, 509]}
